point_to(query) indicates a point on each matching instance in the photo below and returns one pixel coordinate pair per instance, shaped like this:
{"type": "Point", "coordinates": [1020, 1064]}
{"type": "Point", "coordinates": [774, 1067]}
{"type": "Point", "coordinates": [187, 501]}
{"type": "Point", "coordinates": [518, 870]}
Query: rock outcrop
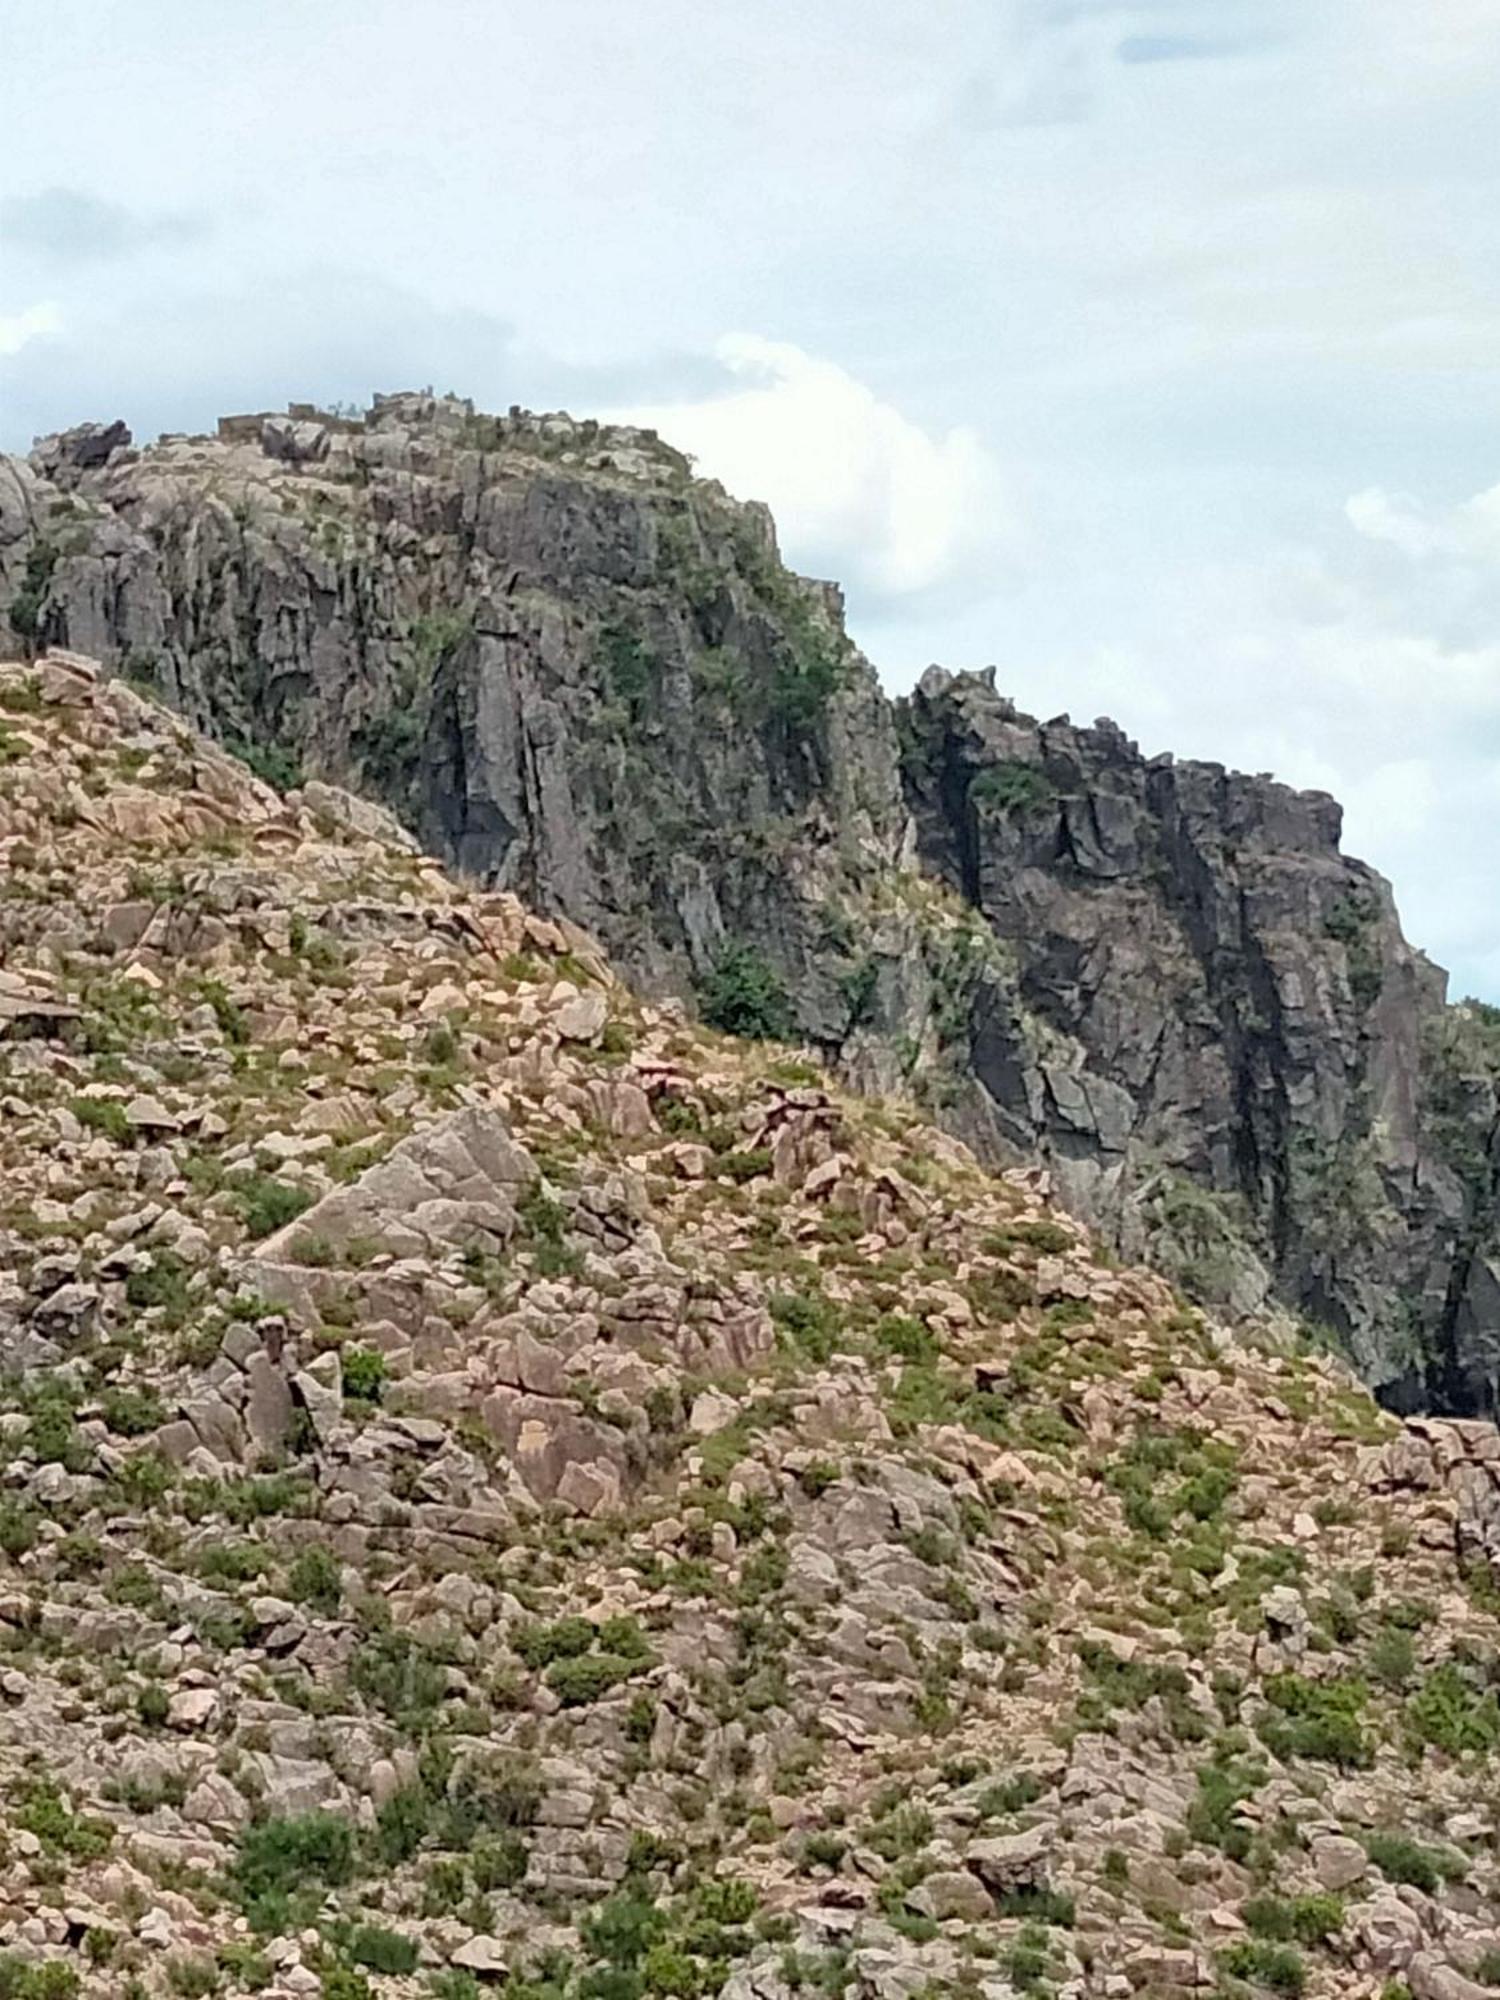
{"type": "Point", "coordinates": [579, 674]}
{"type": "Point", "coordinates": [505, 1489]}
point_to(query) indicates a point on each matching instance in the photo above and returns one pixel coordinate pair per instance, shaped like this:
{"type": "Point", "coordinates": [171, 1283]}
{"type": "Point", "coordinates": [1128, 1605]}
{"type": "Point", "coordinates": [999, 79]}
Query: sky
{"type": "Point", "coordinates": [1148, 350]}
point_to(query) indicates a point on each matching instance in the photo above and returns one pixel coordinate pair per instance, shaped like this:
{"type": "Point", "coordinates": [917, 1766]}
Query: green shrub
{"type": "Point", "coordinates": [499, 1861]}
{"type": "Point", "coordinates": [810, 1322]}
{"type": "Point", "coordinates": [161, 1286]}
{"type": "Point", "coordinates": [52, 1430]}
{"type": "Point", "coordinates": [364, 1370]}
{"type": "Point", "coordinates": [1013, 787]}
{"type": "Point", "coordinates": [132, 1412]}
{"type": "Point", "coordinates": [623, 1928]}
{"type": "Point", "coordinates": [151, 1705]}
{"type": "Point", "coordinates": [540, 1645]}
{"type": "Point", "coordinates": [1401, 1859]}
{"type": "Point", "coordinates": [280, 1859]}
{"type": "Point", "coordinates": [823, 1850]}
{"type": "Point", "coordinates": [455, 1986]}
{"type": "Point", "coordinates": [1310, 1920]}
{"type": "Point", "coordinates": [28, 606]}
{"type": "Point", "coordinates": [899, 1333]}
{"type": "Point", "coordinates": [1213, 1817]}
{"type": "Point", "coordinates": [1393, 1658]}
{"type": "Point", "coordinates": [267, 1204]}
{"type": "Point", "coordinates": [1318, 1719]}
{"type": "Point", "coordinates": [1010, 1795]}
{"type": "Point", "coordinates": [230, 1017]}
{"type": "Point", "coordinates": [1448, 1712]}
{"type": "Point", "coordinates": [402, 1823]}
{"type": "Point", "coordinates": [1045, 1906]}
{"type": "Point", "coordinates": [19, 1525]}
{"type": "Point", "coordinates": [487, 1797]}
{"type": "Point", "coordinates": [231, 1562]}
{"type": "Point", "coordinates": [245, 1963]}
{"type": "Point", "coordinates": [399, 1674]}
{"type": "Point", "coordinates": [743, 996]}
{"type": "Point", "coordinates": [440, 1046]}
{"type": "Point", "coordinates": [1276, 1966]}
{"type": "Point", "coordinates": [53, 1980]}
{"type": "Point", "coordinates": [272, 763]}
{"type": "Point", "coordinates": [382, 1950]}
{"type": "Point", "coordinates": [314, 1580]}
{"type": "Point", "coordinates": [900, 1832]}
{"type": "Point", "coordinates": [343, 1982]}
{"type": "Point", "coordinates": [579, 1681]}
{"type": "Point", "coordinates": [542, 1222]}
{"type": "Point", "coordinates": [39, 1808]}
{"type": "Point", "coordinates": [193, 1978]}
{"type": "Point", "coordinates": [105, 1115]}
{"type": "Point", "coordinates": [727, 1901]}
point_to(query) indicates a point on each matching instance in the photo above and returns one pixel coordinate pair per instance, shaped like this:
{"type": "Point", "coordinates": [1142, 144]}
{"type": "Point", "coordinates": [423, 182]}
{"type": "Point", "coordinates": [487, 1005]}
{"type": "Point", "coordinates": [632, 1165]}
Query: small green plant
{"type": "Point", "coordinates": [161, 1285]}
{"type": "Point", "coordinates": [28, 606]}
{"type": "Point", "coordinates": [104, 1115]}
{"type": "Point", "coordinates": [381, 1950]}
{"type": "Point", "coordinates": [50, 1980]}
{"type": "Point", "coordinates": [540, 1645]}
{"type": "Point", "coordinates": [281, 1862]}
{"type": "Point", "coordinates": [267, 1204]}
{"type": "Point", "coordinates": [1013, 787]}
{"type": "Point", "coordinates": [542, 1223]}
{"type": "Point", "coordinates": [1401, 1859]}
{"type": "Point", "coordinates": [1453, 1715]}
{"type": "Point", "coordinates": [900, 1334]}
{"type": "Point", "coordinates": [1310, 1920]}
{"type": "Point", "coordinates": [192, 1978]}
{"type": "Point", "coordinates": [364, 1372]}
{"type": "Point", "coordinates": [583, 1680]}
{"type": "Point", "coordinates": [1318, 1719]}
{"type": "Point", "coordinates": [1278, 1967]}
{"type": "Point", "coordinates": [131, 1412]}
{"type": "Point", "coordinates": [1213, 1818]}
{"type": "Point", "coordinates": [810, 1322]}
{"type": "Point", "coordinates": [272, 763]}
{"type": "Point", "coordinates": [39, 1808]}
{"type": "Point", "coordinates": [743, 996]}
{"type": "Point", "coordinates": [1392, 1658]}
{"type": "Point", "coordinates": [314, 1580]}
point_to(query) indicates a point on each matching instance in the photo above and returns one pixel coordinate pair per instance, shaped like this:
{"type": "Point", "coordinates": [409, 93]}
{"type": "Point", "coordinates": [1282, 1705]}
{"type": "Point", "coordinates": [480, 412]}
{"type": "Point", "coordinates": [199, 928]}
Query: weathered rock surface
{"type": "Point", "coordinates": [578, 673]}
{"type": "Point", "coordinates": [497, 1479]}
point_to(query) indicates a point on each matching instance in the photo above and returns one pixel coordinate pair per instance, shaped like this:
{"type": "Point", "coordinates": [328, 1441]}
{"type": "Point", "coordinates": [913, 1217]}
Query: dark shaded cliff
{"type": "Point", "coordinates": [579, 672]}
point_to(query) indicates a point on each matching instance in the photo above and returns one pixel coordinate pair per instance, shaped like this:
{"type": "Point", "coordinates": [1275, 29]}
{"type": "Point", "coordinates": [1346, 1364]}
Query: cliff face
{"type": "Point", "coordinates": [579, 673]}
{"type": "Point", "coordinates": [1272, 1056]}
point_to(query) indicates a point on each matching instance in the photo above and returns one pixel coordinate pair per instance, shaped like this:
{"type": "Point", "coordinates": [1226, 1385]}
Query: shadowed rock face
{"type": "Point", "coordinates": [579, 673]}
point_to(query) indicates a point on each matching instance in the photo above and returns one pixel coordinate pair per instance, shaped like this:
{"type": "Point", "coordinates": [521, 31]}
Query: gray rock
{"type": "Point", "coordinates": [1012, 1860]}
{"type": "Point", "coordinates": [1338, 1862]}
{"type": "Point", "coordinates": [1177, 991]}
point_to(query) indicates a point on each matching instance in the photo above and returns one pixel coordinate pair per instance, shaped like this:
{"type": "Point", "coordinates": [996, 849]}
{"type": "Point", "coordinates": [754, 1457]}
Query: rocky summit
{"type": "Point", "coordinates": [509, 1490]}
{"type": "Point", "coordinates": [577, 673]}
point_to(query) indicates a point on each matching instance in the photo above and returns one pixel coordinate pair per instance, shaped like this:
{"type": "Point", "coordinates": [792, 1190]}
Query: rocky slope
{"type": "Point", "coordinates": [506, 1490]}
{"type": "Point", "coordinates": [582, 675]}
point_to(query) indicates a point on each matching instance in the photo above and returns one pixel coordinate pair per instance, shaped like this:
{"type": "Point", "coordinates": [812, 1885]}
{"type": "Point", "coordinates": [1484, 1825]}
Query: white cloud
{"type": "Point", "coordinates": [18, 330]}
{"type": "Point", "coordinates": [1470, 531]}
{"type": "Point", "coordinates": [856, 486]}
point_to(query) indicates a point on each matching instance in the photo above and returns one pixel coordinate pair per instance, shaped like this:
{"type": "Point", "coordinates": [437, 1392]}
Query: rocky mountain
{"type": "Point", "coordinates": [507, 1490]}
{"type": "Point", "coordinates": [582, 675]}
